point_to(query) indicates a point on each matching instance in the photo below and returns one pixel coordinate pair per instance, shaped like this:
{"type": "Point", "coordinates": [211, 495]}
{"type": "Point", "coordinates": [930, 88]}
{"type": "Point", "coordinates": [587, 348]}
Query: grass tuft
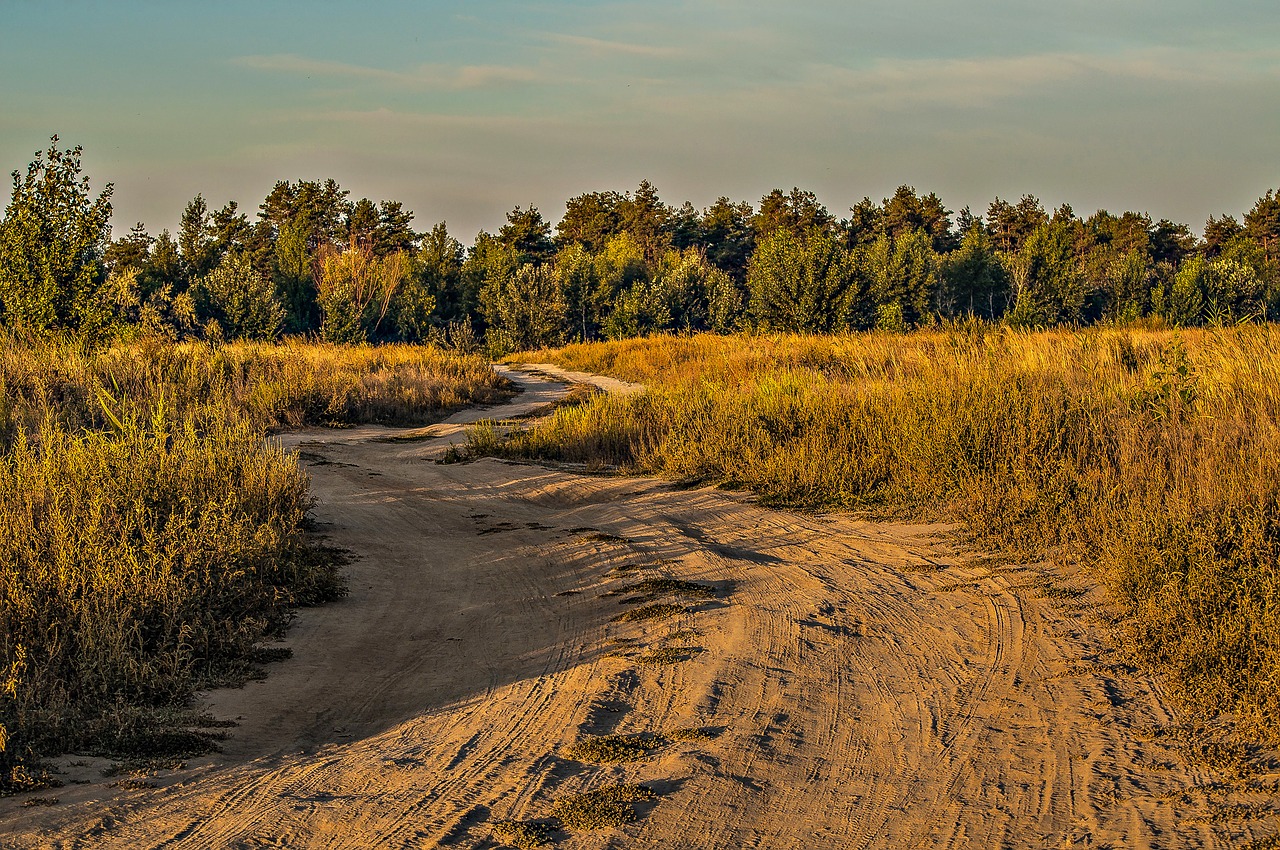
{"type": "Point", "coordinates": [524, 835]}
{"type": "Point", "coordinates": [656, 611]}
{"type": "Point", "coordinates": [613, 749]}
{"type": "Point", "coordinates": [694, 733]}
{"type": "Point", "coordinates": [602, 808]}
{"type": "Point", "coordinates": [654, 587]}
{"type": "Point", "coordinates": [669, 655]}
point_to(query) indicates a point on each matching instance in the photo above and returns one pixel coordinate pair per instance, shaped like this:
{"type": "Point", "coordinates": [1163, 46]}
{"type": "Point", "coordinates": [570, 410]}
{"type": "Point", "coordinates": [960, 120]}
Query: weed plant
{"type": "Point", "coordinates": [150, 537]}
{"type": "Point", "coordinates": [1152, 457]}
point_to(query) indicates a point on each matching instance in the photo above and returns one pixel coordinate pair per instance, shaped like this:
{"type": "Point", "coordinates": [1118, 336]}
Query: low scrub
{"type": "Point", "coordinates": [1153, 457]}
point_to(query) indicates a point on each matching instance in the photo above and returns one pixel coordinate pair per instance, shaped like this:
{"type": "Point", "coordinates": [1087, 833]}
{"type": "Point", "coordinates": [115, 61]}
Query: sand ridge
{"type": "Point", "coordinates": [862, 684]}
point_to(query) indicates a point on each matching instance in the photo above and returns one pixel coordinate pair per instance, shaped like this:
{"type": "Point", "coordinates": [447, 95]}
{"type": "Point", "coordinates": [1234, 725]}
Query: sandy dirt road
{"type": "Point", "coordinates": [865, 688]}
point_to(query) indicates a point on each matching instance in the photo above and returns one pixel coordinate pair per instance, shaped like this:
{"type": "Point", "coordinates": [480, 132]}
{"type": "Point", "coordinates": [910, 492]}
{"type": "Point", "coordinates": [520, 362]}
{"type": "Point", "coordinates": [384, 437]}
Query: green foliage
{"type": "Point", "coordinates": [200, 254]}
{"type": "Point", "coordinates": [525, 310]}
{"type": "Point", "coordinates": [628, 264]}
{"type": "Point", "coordinates": [1182, 305]}
{"type": "Point", "coordinates": [639, 310]}
{"type": "Point", "coordinates": [656, 611]}
{"type": "Point", "coordinates": [975, 283]}
{"type": "Point", "coordinates": [52, 241]}
{"type": "Point", "coordinates": [524, 835]}
{"type": "Point", "coordinates": [439, 266]}
{"type": "Point", "coordinates": [797, 212]}
{"type": "Point", "coordinates": [413, 306]}
{"type": "Point", "coordinates": [801, 284]}
{"type": "Point", "coordinates": [355, 291]}
{"type": "Point", "coordinates": [902, 277]}
{"type": "Point", "coordinates": [1046, 282]}
{"type": "Point", "coordinates": [577, 276]}
{"type": "Point", "coordinates": [1262, 223]}
{"type": "Point", "coordinates": [240, 300]}
{"type": "Point", "coordinates": [528, 235]}
{"type": "Point", "coordinates": [294, 277]}
{"type": "Point", "coordinates": [590, 221]}
{"type": "Point", "coordinates": [619, 267]}
{"type": "Point", "coordinates": [686, 280]}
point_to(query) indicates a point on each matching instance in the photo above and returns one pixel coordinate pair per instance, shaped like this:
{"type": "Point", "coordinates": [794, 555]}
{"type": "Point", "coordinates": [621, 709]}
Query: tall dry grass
{"type": "Point", "coordinates": [1151, 457]}
{"type": "Point", "coordinates": [150, 536]}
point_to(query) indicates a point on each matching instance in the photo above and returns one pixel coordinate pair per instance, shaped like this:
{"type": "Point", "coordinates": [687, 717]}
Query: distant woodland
{"type": "Point", "coordinates": [312, 260]}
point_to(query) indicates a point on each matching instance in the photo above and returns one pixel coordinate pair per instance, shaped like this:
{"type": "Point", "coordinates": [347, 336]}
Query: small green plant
{"type": "Point", "coordinates": [656, 611]}
{"type": "Point", "coordinates": [669, 655]}
{"type": "Point", "coordinates": [39, 801]}
{"type": "Point", "coordinates": [602, 808]}
{"type": "Point", "coordinates": [613, 749]}
{"type": "Point", "coordinates": [524, 835]}
{"type": "Point", "coordinates": [693, 733]}
{"type": "Point", "coordinates": [651, 588]}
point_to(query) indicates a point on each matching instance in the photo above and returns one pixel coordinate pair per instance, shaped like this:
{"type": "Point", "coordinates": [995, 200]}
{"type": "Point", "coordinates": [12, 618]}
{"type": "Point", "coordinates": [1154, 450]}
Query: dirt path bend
{"type": "Point", "coordinates": [854, 684]}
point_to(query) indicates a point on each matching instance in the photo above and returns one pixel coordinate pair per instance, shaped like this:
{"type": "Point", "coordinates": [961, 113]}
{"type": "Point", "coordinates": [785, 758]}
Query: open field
{"type": "Point", "coordinates": [150, 538]}
{"type": "Point", "coordinates": [1149, 459]}
{"type": "Point", "coordinates": [813, 681]}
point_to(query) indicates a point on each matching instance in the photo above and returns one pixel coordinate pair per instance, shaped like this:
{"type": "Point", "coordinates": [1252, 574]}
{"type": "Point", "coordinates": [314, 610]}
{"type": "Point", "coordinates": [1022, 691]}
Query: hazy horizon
{"type": "Point", "coordinates": [1171, 108]}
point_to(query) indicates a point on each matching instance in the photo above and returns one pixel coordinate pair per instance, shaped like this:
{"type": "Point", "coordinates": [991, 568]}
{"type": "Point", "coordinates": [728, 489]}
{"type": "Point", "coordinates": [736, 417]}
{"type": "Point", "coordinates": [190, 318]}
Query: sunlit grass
{"type": "Point", "coordinates": [1152, 457]}
{"type": "Point", "coordinates": [150, 536]}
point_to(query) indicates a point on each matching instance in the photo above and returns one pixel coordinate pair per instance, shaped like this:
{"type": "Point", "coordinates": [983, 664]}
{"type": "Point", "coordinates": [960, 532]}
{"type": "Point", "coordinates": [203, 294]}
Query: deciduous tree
{"type": "Point", "coordinates": [52, 241]}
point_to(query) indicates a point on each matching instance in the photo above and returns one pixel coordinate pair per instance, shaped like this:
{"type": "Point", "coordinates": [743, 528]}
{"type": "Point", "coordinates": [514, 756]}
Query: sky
{"type": "Point", "coordinates": [462, 110]}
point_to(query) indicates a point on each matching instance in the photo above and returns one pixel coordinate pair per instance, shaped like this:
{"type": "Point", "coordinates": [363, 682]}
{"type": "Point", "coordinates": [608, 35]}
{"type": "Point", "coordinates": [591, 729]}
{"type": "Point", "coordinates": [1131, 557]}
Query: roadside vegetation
{"type": "Point", "coordinates": [151, 537]}
{"type": "Point", "coordinates": [1152, 457]}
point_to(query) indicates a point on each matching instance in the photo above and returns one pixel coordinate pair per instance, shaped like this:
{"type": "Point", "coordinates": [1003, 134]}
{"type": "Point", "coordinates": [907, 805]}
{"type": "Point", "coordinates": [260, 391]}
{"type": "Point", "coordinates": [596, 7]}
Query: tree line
{"type": "Point", "coordinates": [313, 261]}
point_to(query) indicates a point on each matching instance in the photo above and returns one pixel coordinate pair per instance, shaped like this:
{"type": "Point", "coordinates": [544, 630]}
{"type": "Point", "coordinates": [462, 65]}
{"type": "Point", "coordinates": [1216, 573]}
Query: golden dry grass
{"type": "Point", "coordinates": [1152, 457]}
{"type": "Point", "coordinates": [150, 536]}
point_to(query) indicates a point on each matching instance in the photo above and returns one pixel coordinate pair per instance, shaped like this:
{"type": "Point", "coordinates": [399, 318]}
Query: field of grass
{"type": "Point", "coordinates": [1150, 457]}
{"type": "Point", "coordinates": [151, 537]}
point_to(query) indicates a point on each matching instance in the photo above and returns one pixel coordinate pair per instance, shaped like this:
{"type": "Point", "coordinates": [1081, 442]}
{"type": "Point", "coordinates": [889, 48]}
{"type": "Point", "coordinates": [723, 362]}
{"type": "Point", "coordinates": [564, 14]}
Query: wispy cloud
{"type": "Point", "coordinates": [982, 81]}
{"type": "Point", "coordinates": [606, 47]}
{"type": "Point", "coordinates": [430, 76]}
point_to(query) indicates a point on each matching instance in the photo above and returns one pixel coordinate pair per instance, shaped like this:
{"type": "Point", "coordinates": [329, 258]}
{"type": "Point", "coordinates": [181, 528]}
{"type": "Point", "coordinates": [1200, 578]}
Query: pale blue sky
{"type": "Point", "coordinates": [462, 110]}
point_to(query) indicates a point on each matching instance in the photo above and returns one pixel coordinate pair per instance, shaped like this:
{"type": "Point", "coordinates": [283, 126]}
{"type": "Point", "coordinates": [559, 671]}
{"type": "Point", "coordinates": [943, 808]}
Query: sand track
{"type": "Point", "coordinates": [867, 689]}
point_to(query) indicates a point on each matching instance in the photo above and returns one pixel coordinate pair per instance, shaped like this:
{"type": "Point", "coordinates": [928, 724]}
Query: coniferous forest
{"type": "Point", "coordinates": [312, 260]}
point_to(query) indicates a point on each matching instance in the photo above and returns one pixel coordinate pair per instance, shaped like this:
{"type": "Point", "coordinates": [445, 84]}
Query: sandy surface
{"type": "Point", "coordinates": [865, 687]}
